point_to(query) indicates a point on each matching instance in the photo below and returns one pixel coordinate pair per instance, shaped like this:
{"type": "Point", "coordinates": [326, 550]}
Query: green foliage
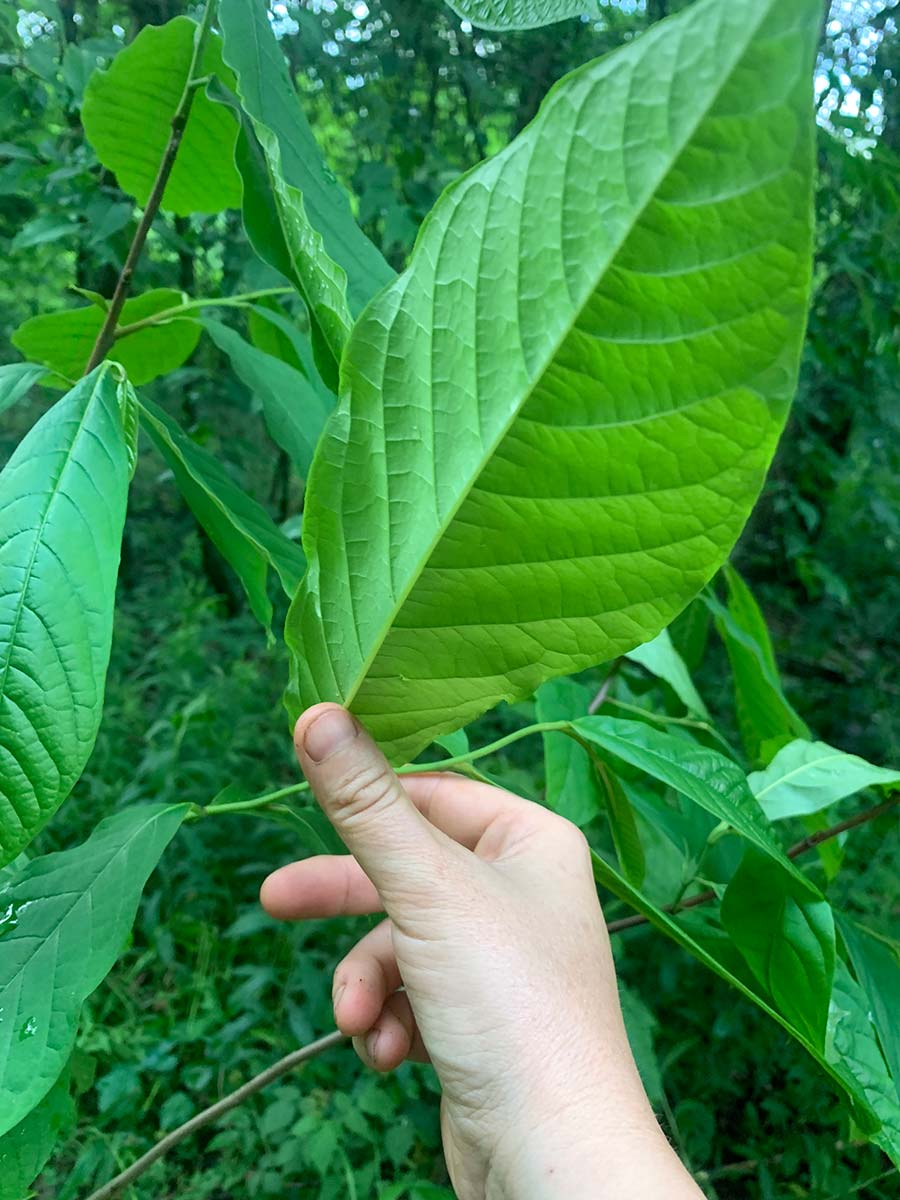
{"type": "Point", "coordinates": [24, 1150]}
{"type": "Point", "coordinates": [805, 777]}
{"type": "Point", "coordinates": [519, 14]}
{"type": "Point", "coordinates": [63, 340]}
{"type": "Point", "coordinates": [15, 381]}
{"type": "Point", "coordinates": [127, 115]}
{"type": "Point", "coordinates": [579, 324]}
{"type": "Point", "coordinates": [65, 919]}
{"type": "Point", "coordinates": [62, 507]}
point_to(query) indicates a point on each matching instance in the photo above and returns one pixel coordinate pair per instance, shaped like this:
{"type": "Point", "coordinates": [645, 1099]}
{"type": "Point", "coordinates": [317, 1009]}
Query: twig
{"type": "Point", "coordinates": [106, 336]}
{"type": "Point", "coordinates": [208, 1115]}
{"type": "Point", "coordinates": [600, 699]}
{"type": "Point", "coordinates": [179, 310]}
{"type": "Point", "coordinates": [801, 847]}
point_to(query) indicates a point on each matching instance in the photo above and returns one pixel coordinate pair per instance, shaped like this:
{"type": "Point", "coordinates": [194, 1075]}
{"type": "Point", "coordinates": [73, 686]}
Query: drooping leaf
{"type": "Point", "coordinates": [805, 777]}
{"type": "Point", "coordinates": [877, 966]}
{"type": "Point", "coordinates": [661, 659]}
{"type": "Point", "coordinates": [15, 380]}
{"type": "Point", "coordinates": [25, 1149]}
{"type": "Point", "coordinates": [294, 158]}
{"type": "Point", "coordinates": [785, 932]}
{"type": "Point", "coordinates": [847, 1057]}
{"type": "Point", "coordinates": [852, 1051]}
{"type": "Point", "coordinates": [520, 14]}
{"type": "Point", "coordinates": [63, 341]}
{"type": "Point", "coordinates": [241, 530]}
{"type": "Point", "coordinates": [294, 409]}
{"type": "Point", "coordinates": [641, 1025]}
{"type": "Point", "coordinates": [553, 425]}
{"type": "Point", "coordinates": [573, 789]}
{"type": "Point", "coordinates": [127, 115]}
{"type": "Point", "coordinates": [70, 913]}
{"type": "Point", "coordinates": [766, 718]}
{"type": "Point", "coordinates": [704, 776]}
{"type": "Point", "coordinates": [62, 508]}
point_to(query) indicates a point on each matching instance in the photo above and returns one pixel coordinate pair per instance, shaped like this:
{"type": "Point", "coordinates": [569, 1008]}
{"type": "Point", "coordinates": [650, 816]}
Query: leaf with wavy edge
{"type": "Point", "coordinates": [67, 917]}
{"type": "Point", "coordinates": [62, 507]}
{"type": "Point", "coordinates": [553, 425]}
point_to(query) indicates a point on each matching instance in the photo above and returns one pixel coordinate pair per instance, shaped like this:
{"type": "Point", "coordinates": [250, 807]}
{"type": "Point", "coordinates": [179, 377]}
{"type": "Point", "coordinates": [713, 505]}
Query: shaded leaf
{"type": "Point", "coordinates": [294, 159]}
{"type": "Point", "coordinates": [241, 530]}
{"type": "Point", "coordinates": [42, 229]}
{"type": "Point", "coordinates": [63, 341]}
{"type": "Point", "coordinates": [15, 381]}
{"type": "Point", "coordinates": [294, 409]}
{"type": "Point", "coordinates": [25, 1149]}
{"type": "Point", "coordinates": [573, 789]}
{"type": "Point", "coordinates": [641, 1025]}
{"type": "Point", "coordinates": [70, 915]}
{"type": "Point", "coordinates": [598, 396]}
{"type": "Point", "coordinates": [805, 777]}
{"type": "Point", "coordinates": [127, 115]}
{"type": "Point", "coordinates": [661, 659]}
{"type": "Point", "coordinates": [62, 507]}
{"type": "Point", "coordinates": [785, 932]}
{"type": "Point", "coordinates": [766, 718]}
{"type": "Point", "coordinates": [877, 966]}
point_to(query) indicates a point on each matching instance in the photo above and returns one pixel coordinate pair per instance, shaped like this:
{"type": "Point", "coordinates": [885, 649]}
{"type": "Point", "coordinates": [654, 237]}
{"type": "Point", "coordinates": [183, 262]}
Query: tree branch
{"type": "Point", "coordinates": [107, 334]}
{"type": "Point", "coordinates": [208, 1115]}
{"type": "Point", "coordinates": [801, 847]}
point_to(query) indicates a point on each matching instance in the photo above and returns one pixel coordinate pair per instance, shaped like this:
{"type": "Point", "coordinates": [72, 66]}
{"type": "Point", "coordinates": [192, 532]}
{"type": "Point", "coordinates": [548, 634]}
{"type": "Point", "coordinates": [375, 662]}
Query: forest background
{"type": "Point", "coordinates": [402, 96]}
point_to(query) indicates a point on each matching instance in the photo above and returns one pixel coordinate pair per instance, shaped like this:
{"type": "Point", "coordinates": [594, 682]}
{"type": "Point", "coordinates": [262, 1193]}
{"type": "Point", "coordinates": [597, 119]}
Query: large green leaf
{"type": "Point", "coordinates": [785, 932]}
{"type": "Point", "coordinates": [68, 915]}
{"type": "Point", "coordinates": [805, 777]}
{"type": "Point", "coordinates": [661, 659]}
{"type": "Point", "coordinates": [553, 425]}
{"type": "Point", "coordinates": [242, 531]}
{"type": "Point", "coordinates": [28, 1146]}
{"type": "Point", "coordinates": [877, 966]}
{"type": "Point", "coordinates": [127, 114]}
{"type": "Point", "coordinates": [15, 380]}
{"type": "Point", "coordinates": [766, 717]}
{"type": "Point", "coordinates": [520, 14]}
{"type": "Point", "coordinates": [294, 409]}
{"type": "Point", "coordinates": [851, 1054]}
{"type": "Point", "coordinates": [62, 508]}
{"type": "Point", "coordinates": [296, 165]}
{"type": "Point", "coordinates": [64, 340]}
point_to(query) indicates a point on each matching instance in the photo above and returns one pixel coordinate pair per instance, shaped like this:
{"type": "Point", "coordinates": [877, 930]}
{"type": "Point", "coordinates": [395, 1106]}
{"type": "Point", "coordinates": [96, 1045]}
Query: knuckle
{"type": "Point", "coordinates": [363, 792]}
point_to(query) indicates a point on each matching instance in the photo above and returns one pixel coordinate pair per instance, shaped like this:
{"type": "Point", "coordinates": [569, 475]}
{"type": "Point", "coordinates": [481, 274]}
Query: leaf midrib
{"type": "Point", "coordinates": [38, 540]}
{"type": "Point", "coordinates": [378, 642]}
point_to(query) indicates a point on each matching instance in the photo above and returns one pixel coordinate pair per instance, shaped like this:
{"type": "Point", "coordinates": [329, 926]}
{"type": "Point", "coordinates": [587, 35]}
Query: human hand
{"type": "Point", "coordinates": [495, 931]}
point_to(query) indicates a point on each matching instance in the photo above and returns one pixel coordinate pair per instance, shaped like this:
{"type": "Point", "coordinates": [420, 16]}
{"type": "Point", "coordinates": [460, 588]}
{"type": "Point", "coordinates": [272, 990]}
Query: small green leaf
{"type": "Point", "coordinates": [766, 718]}
{"type": "Point", "coordinates": [661, 659]}
{"type": "Point", "coordinates": [62, 507]}
{"type": "Point", "coordinates": [67, 917]}
{"type": "Point", "coordinates": [242, 531]}
{"type": "Point", "coordinates": [805, 777]}
{"type": "Point", "coordinates": [25, 1149]}
{"type": "Point", "coordinates": [573, 788]}
{"type": "Point", "coordinates": [877, 966]}
{"type": "Point", "coordinates": [294, 409]}
{"type": "Point", "coordinates": [641, 1025]}
{"type": "Point", "coordinates": [521, 14]}
{"type": "Point", "coordinates": [127, 115]}
{"type": "Point", "coordinates": [15, 381]}
{"type": "Point", "coordinates": [296, 163]}
{"type": "Point", "coordinates": [454, 743]}
{"type": "Point", "coordinates": [785, 932]}
{"type": "Point", "coordinates": [64, 340]}
{"type": "Point", "coordinates": [45, 228]}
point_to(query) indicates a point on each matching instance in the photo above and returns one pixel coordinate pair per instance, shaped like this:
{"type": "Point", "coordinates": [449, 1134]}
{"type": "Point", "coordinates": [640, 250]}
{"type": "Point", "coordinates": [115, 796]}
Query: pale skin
{"type": "Point", "coordinates": [495, 934]}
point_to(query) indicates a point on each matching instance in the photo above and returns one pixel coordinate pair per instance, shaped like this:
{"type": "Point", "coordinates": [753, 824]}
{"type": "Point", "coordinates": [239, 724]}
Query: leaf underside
{"type": "Point", "coordinates": [553, 425]}
{"type": "Point", "coordinates": [62, 508]}
{"type": "Point", "coordinates": [520, 14]}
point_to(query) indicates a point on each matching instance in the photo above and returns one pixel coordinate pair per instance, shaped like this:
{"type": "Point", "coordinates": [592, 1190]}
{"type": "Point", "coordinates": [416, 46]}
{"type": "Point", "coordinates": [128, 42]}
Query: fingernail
{"type": "Point", "coordinates": [371, 1043]}
{"type": "Point", "coordinates": [336, 998]}
{"type": "Point", "coordinates": [329, 732]}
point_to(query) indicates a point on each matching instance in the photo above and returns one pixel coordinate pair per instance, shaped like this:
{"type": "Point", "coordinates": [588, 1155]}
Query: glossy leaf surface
{"type": "Point", "coordinates": [241, 530]}
{"type": "Point", "coordinates": [805, 777]}
{"type": "Point", "coordinates": [64, 340]}
{"type": "Point", "coordinates": [295, 410]}
{"type": "Point", "coordinates": [520, 14]}
{"type": "Point", "coordinates": [785, 932]}
{"type": "Point", "coordinates": [68, 915]}
{"type": "Point", "coordinates": [553, 425]}
{"type": "Point", "coordinates": [62, 507]}
{"type": "Point", "coordinates": [127, 115]}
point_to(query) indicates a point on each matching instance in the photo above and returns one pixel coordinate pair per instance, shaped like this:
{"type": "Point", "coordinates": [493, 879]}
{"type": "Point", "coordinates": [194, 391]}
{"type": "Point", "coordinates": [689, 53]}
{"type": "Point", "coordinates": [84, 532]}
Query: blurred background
{"type": "Point", "coordinates": [403, 96]}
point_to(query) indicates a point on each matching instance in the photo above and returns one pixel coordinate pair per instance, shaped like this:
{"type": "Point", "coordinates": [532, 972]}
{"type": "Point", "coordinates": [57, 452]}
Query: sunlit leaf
{"type": "Point", "coordinates": [520, 14]}
{"type": "Point", "coordinates": [553, 425]}
{"type": "Point", "coordinates": [661, 659]}
{"type": "Point", "coordinates": [805, 777]}
{"type": "Point", "coordinates": [62, 508]}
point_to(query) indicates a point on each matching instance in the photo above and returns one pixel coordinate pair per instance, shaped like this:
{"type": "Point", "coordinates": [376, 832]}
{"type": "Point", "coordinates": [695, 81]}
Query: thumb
{"type": "Point", "coordinates": [366, 803]}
